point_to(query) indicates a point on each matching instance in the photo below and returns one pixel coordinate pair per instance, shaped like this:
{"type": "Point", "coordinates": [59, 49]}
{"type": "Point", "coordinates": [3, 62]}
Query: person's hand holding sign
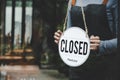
{"type": "Point", "coordinates": [57, 36]}
{"type": "Point", "coordinates": [74, 46]}
{"type": "Point", "coordinates": [94, 42]}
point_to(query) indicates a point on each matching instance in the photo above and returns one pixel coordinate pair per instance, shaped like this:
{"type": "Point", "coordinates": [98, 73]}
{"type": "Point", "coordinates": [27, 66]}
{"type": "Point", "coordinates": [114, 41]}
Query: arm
{"type": "Point", "coordinates": [103, 47]}
{"type": "Point", "coordinates": [109, 46]}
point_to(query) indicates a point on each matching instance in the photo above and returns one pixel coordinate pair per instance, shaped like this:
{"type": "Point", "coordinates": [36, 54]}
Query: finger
{"type": "Point", "coordinates": [57, 34]}
{"type": "Point", "coordinates": [94, 45]}
{"type": "Point", "coordinates": [59, 31]}
{"type": "Point", "coordinates": [91, 36]}
{"type": "Point", "coordinates": [94, 37]}
{"type": "Point", "coordinates": [93, 48]}
{"type": "Point", "coordinates": [56, 41]}
{"type": "Point", "coordinates": [56, 37]}
{"type": "Point", "coordinates": [95, 41]}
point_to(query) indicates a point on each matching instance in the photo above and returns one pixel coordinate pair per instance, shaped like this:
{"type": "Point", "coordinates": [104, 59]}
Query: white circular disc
{"type": "Point", "coordinates": [74, 46]}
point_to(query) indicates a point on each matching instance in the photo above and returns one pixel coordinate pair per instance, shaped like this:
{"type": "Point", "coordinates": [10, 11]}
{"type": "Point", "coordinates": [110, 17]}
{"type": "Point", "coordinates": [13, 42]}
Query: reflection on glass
{"type": "Point", "coordinates": [8, 23]}
{"type": "Point", "coordinates": [28, 21]}
{"type": "Point", "coordinates": [8, 17]}
{"type": "Point", "coordinates": [18, 23]}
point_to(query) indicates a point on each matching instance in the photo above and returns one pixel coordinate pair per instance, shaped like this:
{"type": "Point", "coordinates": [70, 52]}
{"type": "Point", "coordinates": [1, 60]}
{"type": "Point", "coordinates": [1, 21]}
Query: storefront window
{"type": "Point", "coordinates": [18, 23]}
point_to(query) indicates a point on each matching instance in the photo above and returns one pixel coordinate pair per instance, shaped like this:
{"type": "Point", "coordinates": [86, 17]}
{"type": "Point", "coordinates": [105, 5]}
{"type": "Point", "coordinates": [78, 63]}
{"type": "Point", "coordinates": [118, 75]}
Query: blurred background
{"type": "Point", "coordinates": [26, 38]}
{"type": "Point", "coordinates": [27, 48]}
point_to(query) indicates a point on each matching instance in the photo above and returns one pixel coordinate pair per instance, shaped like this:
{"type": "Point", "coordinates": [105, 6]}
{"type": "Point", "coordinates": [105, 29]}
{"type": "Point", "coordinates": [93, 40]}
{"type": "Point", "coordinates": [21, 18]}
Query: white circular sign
{"type": "Point", "coordinates": [74, 46]}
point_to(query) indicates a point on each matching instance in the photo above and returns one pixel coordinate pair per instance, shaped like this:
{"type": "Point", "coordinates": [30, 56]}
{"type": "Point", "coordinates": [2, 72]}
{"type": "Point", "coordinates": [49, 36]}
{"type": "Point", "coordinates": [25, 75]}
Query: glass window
{"type": "Point", "coordinates": [28, 21]}
{"type": "Point", "coordinates": [8, 15]}
{"type": "Point", "coordinates": [18, 23]}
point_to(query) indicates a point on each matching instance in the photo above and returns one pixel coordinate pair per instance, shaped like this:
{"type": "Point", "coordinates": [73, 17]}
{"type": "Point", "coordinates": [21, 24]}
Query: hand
{"type": "Point", "coordinates": [57, 36]}
{"type": "Point", "coordinates": [94, 42]}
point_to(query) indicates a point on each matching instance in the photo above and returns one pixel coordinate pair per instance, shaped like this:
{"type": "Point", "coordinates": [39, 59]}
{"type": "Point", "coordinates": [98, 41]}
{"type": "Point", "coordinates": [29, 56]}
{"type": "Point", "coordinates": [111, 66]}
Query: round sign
{"type": "Point", "coordinates": [74, 46]}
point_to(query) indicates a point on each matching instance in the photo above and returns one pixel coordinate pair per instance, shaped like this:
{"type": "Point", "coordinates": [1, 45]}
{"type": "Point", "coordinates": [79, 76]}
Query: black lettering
{"type": "Point", "coordinates": [80, 44]}
{"type": "Point", "coordinates": [76, 49]}
{"type": "Point", "coordinates": [66, 47]}
{"type": "Point", "coordinates": [85, 47]}
{"type": "Point", "coordinates": [61, 47]}
{"type": "Point", "coordinates": [71, 46]}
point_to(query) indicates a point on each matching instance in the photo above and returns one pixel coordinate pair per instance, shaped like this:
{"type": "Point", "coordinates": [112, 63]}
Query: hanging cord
{"type": "Point", "coordinates": [83, 14]}
{"type": "Point", "coordinates": [66, 17]}
{"type": "Point", "coordinates": [64, 25]}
